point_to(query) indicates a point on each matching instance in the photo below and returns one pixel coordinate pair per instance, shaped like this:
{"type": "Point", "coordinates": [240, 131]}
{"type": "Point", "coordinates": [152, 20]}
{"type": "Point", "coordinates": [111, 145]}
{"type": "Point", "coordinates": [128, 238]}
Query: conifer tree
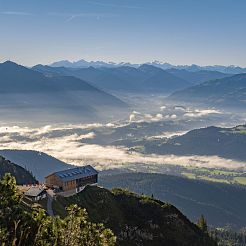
{"type": "Point", "coordinates": [202, 223]}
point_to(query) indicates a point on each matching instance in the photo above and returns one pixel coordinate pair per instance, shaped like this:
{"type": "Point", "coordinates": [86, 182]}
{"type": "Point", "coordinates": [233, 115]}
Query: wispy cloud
{"type": "Point", "coordinates": [16, 13]}
{"type": "Point", "coordinates": [115, 5]}
{"type": "Point", "coordinates": [71, 16]}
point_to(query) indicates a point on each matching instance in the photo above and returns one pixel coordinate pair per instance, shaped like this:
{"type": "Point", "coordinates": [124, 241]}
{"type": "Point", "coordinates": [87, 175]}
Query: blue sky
{"type": "Point", "coordinates": [175, 31]}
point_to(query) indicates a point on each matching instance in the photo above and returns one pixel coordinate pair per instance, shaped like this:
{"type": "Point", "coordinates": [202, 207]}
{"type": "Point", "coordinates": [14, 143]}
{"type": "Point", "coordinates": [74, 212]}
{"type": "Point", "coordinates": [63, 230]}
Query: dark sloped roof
{"type": "Point", "coordinates": [76, 173]}
{"type": "Point", "coordinates": [34, 191]}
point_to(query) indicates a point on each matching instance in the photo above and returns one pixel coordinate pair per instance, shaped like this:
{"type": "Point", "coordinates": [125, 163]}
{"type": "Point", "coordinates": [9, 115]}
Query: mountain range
{"type": "Point", "coordinates": [64, 94]}
{"type": "Point", "coordinates": [28, 93]}
{"type": "Point", "coordinates": [225, 92]}
{"type": "Point", "coordinates": [232, 69]}
{"type": "Point", "coordinates": [144, 79]}
{"type": "Point", "coordinates": [83, 63]}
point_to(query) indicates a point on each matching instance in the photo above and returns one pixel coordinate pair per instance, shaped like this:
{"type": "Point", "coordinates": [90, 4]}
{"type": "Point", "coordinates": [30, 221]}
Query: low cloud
{"type": "Point", "coordinates": [181, 108]}
{"type": "Point", "coordinates": [168, 135]}
{"type": "Point", "coordinates": [201, 112]}
{"type": "Point", "coordinates": [139, 117]}
{"type": "Point", "coordinates": [162, 108]}
{"type": "Point", "coordinates": [173, 113]}
{"type": "Point", "coordinates": [132, 117]}
{"type": "Point", "coordinates": [65, 143]}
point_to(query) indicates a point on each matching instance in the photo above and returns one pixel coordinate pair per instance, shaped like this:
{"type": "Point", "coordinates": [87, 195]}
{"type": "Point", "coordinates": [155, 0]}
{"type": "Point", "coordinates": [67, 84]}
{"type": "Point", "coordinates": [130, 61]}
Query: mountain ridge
{"type": "Point", "coordinates": [228, 92]}
{"type": "Point", "coordinates": [136, 220]}
{"type": "Point", "coordinates": [50, 96]}
{"type": "Point", "coordinates": [82, 63]}
{"type": "Point", "coordinates": [21, 175]}
{"type": "Point", "coordinates": [208, 141]}
{"type": "Point", "coordinates": [39, 163]}
{"type": "Point", "coordinates": [146, 78]}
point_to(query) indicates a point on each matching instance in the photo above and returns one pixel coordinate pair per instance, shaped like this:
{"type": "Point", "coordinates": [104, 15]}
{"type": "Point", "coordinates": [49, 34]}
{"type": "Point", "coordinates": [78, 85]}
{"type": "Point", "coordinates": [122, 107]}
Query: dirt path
{"type": "Point", "coordinates": [50, 195]}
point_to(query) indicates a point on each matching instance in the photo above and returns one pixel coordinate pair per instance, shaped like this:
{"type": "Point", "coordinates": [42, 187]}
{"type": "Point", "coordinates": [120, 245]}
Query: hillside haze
{"type": "Point", "coordinates": [57, 97]}
{"type": "Point", "coordinates": [226, 92]}
{"type": "Point", "coordinates": [197, 77]}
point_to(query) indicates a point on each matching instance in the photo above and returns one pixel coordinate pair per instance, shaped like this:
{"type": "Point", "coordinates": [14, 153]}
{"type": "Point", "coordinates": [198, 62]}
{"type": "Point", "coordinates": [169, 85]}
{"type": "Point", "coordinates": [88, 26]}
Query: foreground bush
{"type": "Point", "coordinates": [20, 227]}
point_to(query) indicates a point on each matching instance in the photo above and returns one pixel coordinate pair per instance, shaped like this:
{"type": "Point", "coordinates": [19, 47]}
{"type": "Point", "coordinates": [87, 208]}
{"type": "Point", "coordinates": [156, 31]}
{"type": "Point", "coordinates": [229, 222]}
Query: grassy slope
{"type": "Point", "coordinates": [136, 220]}
{"type": "Point", "coordinates": [220, 203]}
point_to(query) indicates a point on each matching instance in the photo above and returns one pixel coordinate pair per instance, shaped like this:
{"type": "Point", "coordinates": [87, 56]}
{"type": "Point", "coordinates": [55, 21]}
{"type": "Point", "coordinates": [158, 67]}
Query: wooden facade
{"type": "Point", "coordinates": [72, 179]}
{"type": "Point", "coordinates": [53, 181]}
